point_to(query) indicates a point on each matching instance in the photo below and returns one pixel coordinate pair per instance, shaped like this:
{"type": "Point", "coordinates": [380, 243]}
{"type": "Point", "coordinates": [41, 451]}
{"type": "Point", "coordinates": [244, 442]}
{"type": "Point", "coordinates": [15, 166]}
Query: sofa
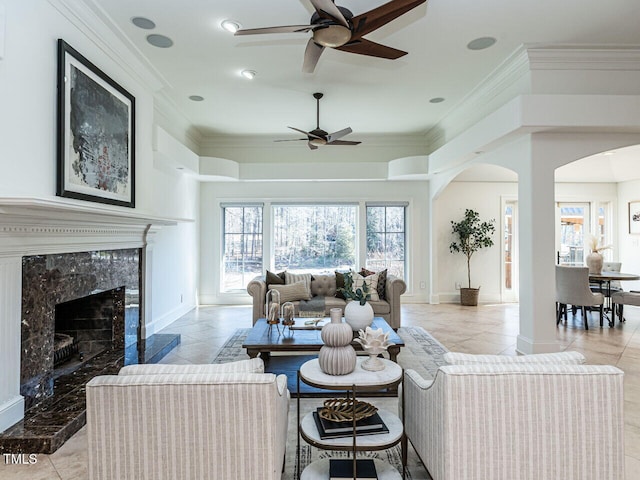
{"type": "Point", "coordinates": [325, 288]}
{"type": "Point", "coordinates": [179, 422]}
{"type": "Point", "coordinates": [538, 418]}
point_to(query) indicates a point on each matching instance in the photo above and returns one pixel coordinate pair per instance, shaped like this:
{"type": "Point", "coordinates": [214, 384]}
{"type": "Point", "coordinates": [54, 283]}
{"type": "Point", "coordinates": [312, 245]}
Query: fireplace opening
{"type": "Point", "coordinates": [86, 327]}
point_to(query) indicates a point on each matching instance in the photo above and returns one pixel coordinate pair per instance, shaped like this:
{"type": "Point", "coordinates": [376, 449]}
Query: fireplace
{"type": "Point", "coordinates": [86, 327]}
{"type": "Point", "coordinates": [78, 288]}
{"type": "Point", "coordinates": [54, 251]}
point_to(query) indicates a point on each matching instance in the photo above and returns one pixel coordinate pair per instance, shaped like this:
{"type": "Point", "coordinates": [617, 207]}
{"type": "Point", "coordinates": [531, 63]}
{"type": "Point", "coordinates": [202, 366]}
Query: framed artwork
{"type": "Point", "coordinates": [96, 133]}
{"type": "Point", "coordinates": [634, 217]}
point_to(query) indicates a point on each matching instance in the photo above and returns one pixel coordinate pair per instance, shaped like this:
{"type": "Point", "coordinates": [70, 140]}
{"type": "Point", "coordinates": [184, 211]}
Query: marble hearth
{"type": "Point", "coordinates": [54, 251]}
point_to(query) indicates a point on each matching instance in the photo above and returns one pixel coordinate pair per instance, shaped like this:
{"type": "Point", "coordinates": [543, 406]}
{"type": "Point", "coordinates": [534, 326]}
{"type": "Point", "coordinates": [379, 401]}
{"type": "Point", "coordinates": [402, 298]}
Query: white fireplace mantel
{"type": "Point", "coordinates": [40, 226]}
{"type": "Point", "coordinates": [33, 226]}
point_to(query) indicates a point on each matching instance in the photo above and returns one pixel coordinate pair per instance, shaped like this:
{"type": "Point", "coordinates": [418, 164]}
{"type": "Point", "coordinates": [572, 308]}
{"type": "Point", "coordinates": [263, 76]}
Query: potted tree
{"type": "Point", "coordinates": [473, 234]}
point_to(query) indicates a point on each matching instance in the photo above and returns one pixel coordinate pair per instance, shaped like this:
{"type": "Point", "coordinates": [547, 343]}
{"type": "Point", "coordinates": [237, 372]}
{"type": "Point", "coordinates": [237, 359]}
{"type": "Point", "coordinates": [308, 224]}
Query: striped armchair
{"type": "Point", "coordinates": [517, 421]}
{"type": "Point", "coordinates": [174, 422]}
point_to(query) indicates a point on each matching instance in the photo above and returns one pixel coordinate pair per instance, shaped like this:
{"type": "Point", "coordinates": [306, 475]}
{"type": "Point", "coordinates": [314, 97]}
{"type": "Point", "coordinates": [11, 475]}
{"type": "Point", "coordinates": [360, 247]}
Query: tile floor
{"type": "Point", "coordinates": [490, 329]}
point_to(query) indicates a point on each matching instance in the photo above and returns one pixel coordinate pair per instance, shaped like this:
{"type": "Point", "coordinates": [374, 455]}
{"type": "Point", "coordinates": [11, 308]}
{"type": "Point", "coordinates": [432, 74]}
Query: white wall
{"type": "Point", "coordinates": [629, 244]}
{"type": "Point", "coordinates": [486, 198]}
{"type": "Point", "coordinates": [28, 135]}
{"type": "Point", "coordinates": [212, 194]}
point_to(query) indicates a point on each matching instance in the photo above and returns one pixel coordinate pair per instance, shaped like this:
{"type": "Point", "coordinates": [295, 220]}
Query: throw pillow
{"type": "Point", "coordinates": [382, 281]}
{"type": "Point", "coordinates": [339, 285]}
{"type": "Point", "coordinates": [274, 278]}
{"type": "Point", "coordinates": [370, 280]}
{"type": "Point", "coordinates": [292, 292]}
{"type": "Point", "coordinates": [290, 278]}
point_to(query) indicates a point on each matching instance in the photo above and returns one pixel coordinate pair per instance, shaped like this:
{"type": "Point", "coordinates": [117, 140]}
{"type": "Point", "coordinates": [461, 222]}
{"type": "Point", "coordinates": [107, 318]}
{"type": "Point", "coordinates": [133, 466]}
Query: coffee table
{"type": "Point", "coordinates": [262, 340]}
{"type": "Point", "coordinates": [292, 349]}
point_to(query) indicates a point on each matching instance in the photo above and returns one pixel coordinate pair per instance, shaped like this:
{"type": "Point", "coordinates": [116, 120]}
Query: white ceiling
{"type": "Point", "coordinates": [371, 95]}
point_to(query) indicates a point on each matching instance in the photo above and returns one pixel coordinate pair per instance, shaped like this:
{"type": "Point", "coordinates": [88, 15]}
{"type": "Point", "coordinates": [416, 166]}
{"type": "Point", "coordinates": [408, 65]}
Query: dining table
{"type": "Point", "coordinates": [605, 278]}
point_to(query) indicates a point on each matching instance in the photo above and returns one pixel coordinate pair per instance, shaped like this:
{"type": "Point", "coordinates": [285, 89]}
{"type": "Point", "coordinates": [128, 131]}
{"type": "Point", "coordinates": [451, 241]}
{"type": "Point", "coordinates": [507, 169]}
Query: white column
{"type": "Point", "coordinates": [11, 402]}
{"type": "Point", "coordinates": [536, 199]}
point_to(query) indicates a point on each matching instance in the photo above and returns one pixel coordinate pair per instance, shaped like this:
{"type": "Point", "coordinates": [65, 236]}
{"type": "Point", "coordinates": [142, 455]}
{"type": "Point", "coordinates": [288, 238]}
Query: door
{"type": "Point", "coordinates": [509, 288]}
{"type": "Point", "coordinates": [573, 224]}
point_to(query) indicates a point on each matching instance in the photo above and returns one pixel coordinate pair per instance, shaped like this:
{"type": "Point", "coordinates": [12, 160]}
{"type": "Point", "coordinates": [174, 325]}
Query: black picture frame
{"type": "Point", "coordinates": [96, 133]}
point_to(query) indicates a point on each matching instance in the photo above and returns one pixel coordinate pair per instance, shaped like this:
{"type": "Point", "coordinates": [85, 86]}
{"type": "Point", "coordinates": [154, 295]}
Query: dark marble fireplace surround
{"type": "Point", "coordinates": [55, 404]}
{"type": "Point", "coordinates": [49, 280]}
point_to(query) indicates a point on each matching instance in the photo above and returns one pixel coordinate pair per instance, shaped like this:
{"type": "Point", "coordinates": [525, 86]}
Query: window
{"type": "Point", "coordinates": [314, 238]}
{"type": "Point", "coordinates": [242, 245]}
{"type": "Point", "coordinates": [386, 238]}
{"type": "Point", "coordinates": [603, 228]}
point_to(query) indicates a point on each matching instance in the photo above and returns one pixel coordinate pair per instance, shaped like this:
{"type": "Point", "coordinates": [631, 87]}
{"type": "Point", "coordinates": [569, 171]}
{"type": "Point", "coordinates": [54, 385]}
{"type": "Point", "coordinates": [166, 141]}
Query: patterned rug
{"type": "Point", "coordinates": [421, 352]}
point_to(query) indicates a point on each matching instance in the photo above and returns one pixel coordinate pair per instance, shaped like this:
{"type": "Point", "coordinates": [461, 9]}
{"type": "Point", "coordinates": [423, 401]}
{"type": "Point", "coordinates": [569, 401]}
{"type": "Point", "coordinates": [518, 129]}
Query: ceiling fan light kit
{"type": "Point", "coordinates": [336, 27]}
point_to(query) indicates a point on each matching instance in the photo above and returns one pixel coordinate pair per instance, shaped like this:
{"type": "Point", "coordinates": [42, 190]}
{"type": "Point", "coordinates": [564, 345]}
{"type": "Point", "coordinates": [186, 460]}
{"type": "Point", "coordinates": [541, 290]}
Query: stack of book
{"type": "Point", "coordinates": [343, 469]}
{"type": "Point", "coordinates": [367, 426]}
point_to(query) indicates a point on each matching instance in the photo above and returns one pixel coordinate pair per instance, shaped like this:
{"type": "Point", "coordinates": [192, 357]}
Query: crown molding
{"type": "Point", "coordinates": [267, 141]}
{"type": "Point", "coordinates": [583, 57]}
{"type": "Point", "coordinates": [88, 17]}
{"type": "Point", "coordinates": [508, 80]}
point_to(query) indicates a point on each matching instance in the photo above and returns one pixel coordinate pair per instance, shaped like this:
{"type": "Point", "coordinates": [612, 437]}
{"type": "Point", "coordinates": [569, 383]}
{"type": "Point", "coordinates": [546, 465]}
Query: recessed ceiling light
{"type": "Point", "coordinates": [249, 74]}
{"type": "Point", "coordinates": [481, 43]}
{"type": "Point", "coordinates": [609, 153]}
{"type": "Point", "coordinates": [142, 22]}
{"type": "Point", "coordinates": [159, 41]}
{"type": "Point", "coordinates": [231, 25]}
{"type": "Point", "coordinates": [436, 100]}
{"type": "Point", "coordinates": [196, 98]}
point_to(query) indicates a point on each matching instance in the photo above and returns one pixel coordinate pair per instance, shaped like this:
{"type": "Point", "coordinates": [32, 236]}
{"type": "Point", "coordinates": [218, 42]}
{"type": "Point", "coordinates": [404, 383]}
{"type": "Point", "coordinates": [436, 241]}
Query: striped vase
{"type": "Point", "coordinates": [337, 356]}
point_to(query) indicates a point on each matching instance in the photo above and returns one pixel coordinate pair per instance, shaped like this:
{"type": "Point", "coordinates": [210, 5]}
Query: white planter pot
{"type": "Point", "coordinates": [358, 316]}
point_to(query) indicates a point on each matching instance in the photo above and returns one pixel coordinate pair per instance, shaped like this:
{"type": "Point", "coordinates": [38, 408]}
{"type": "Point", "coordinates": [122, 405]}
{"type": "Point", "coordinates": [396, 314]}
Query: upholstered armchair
{"type": "Point", "coordinates": [179, 422]}
{"type": "Point", "coordinates": [572, 288]}
{"type": "Point", "coordinates": [525, 421]}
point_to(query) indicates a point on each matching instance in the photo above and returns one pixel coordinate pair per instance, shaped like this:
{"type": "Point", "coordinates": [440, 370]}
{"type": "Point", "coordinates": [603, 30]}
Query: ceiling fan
{"type": "Point", "coordinates": [336, 27]}
{"type": "Point", "coordinates": [317, 136]}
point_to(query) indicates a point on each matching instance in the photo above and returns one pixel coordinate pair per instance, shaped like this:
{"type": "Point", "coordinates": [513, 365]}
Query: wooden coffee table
{"type": "Point", "coordinates": [263, 341]}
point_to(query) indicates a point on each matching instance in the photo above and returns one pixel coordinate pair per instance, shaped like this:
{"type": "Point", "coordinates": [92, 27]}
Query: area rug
{"type": "Point", "coordinates": [421, 352]}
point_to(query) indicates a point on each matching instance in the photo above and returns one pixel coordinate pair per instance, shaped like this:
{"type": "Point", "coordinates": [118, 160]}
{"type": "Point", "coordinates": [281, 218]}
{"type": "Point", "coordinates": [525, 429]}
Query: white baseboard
{"type": "Point", "coordinates": [11, 412]}
{"type": "Point", "coordinates": [210, 299]}
{"type": "Point", "coordinates": [167, 319]}
{"type": "Point", "coordinates": [526, 346]}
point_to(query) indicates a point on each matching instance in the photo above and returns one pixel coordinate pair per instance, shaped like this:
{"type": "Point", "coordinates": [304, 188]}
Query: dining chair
{"type": "Point", "coordinates": [614, 285]}
{"type": "Point", "coordinates": [572, 288]}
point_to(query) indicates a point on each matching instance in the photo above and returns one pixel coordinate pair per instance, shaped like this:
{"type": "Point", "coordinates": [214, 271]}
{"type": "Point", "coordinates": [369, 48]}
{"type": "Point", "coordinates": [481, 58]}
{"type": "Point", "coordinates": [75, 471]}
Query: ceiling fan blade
{"type": "Point", "coordinates": [312, 146]}
{"type": "Point", "coordinates": [332, 137]}
{"type": "Point", "coordinates": [343, 142]}
{"type": "Point", "coordinates": [282, 29]}
{"type": "Point", "coordinates": [292, 140]}
{"type": "Point", "coordinates": [326, 8]}
{"type": "Point", "coordinates": [373, 49]}
{"type": "Point", "coordinates": [308, 134]}
{"type": "Point", "coordinates": [311, 56]}
{"type": "Point", "coordinates": [374, 19]}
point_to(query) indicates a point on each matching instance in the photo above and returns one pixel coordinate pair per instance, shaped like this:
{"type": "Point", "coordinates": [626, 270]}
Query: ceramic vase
{"type": "Point", "coordinates": [337, 356]}
{"type": "Point", "coordinates": [358, 316]}
{"type": "Point", "coordinates": [594, 261]}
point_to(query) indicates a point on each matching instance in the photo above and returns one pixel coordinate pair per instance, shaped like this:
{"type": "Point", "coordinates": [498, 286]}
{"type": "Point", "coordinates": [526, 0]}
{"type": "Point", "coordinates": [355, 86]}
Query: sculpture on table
{"type": "Point", "coordinates": [272, 309]}
{"type": "Point", "coordinates": [374, 342]}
